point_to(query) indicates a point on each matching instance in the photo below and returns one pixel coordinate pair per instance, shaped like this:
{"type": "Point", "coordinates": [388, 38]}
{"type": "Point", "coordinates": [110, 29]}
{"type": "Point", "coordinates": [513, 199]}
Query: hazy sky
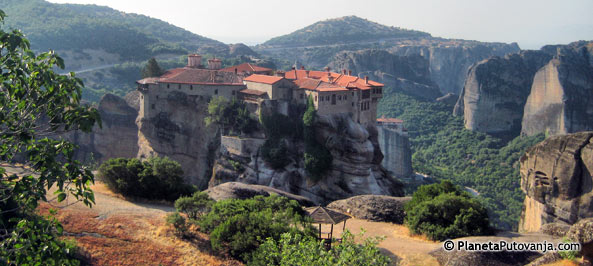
{"type": "Point", "coordinates": [531, 23]}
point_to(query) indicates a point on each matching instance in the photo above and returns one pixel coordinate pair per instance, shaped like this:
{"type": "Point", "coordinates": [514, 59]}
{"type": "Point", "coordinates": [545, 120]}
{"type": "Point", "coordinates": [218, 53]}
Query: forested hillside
{"type": "Point", "coordinates": [350, 29]}
{"type": "Point", "coordinates": [443, 149]}
{"type": "Point", "coordinates": [78, 27]}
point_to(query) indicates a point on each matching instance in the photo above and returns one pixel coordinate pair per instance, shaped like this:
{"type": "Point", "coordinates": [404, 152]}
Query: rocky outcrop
{"type": "Point", "coordinates": [397, 153]}
{"type": "Point", "coordinates": [408, 74]}
{"type": "Point", "coordinates": [178, 131]}
{"type": "Point", "coordinates": [556, 176]}
{"type": "Point", "coordinates": [582, 232]}
{"type": "Point", "coordinates": [355, 168]}
{"type": "Point", "coordinates": [449, 60]}
{"type": "Point", "coordinates": [495, 92]}
{"type": "Point", "coordinates": [118, 136]}
{"type": "Point", "coordinates": [561, 93]}
{"type": "Point", "coordinates": [376, 208]}
{"type": "Point", "coordinates": [236, 190]}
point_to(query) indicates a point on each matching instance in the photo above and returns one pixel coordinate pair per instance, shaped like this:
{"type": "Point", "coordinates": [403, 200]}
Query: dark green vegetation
{"type": "Point", "coordinates": [302, 250]}
{"type": "Point", "coordinates": [195, 206]}
{"type": "Point", "coordinates": [78, 27]}
{"type": "Point", "coordinates": [152, 69]}
{"type": "Point", "coordinates": [443, 149]}
{"type": "Point", "coordinates": [232, 116]}
{"type": "Point", "coordinates": [280, 129]}
{"type": "Point", "coordinates": [156, 178]}
{"type": "Point", "coordinates": [350, 29]}
{"type": "Point", "coordinates": [318, 159]}
{"type": "Point", "coordinates": [444, 211]}
{"type": "Point", "coordinates": [241, 226]}
{"type": "Point", "coordinates": [35, 103]}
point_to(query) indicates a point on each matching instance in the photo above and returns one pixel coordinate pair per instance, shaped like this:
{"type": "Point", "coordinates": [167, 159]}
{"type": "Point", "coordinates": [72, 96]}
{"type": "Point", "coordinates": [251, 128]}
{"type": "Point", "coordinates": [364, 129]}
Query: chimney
{"type": "Point", "coordinates": [349, 72]}
{"type": "Point", "coordinates": [214, 64]}
{"type": "Point", "coordinates": [366, 79]}
{"type": "Point", "coordinates": [293, 68]}
{"type": "Point", "coordinates": [194, 60]}
{"type": "Point", "coordinates": [307, 72]}
{"type": "Point", "coordinates": [280, 73]}
{"type": "Point", "coordinates": [302, 67]}
{"type": "Point", "coordinates": [236, 71]}
{"type": "Point", "coordinates": [344, 71]}
{"type": "Point", "coordinates": [327, 69]}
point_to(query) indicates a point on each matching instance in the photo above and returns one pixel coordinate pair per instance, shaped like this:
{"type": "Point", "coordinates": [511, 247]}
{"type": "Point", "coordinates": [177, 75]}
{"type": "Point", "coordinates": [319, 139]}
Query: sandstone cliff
{"type": "Point", "coordinates": [356, 167]}
{"type": "Point", "coordinates": [556, 176]}
{"type": "Point", "coordinates": [409, 74]}
{"type": "Point", "coordinates": [495, 92]}
{"type": "Point", "coordinates": [561, 93]}
{"type": "Point", "coordinates": [119, 135]}
{"type": "Point", "coordinates": [450, 60]}
{"type": "Point", "coordinates": [178, 131]}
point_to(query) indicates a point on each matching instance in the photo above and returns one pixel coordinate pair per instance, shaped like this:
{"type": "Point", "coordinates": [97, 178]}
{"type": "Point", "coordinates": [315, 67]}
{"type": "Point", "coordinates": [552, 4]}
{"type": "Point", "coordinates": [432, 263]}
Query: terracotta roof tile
{"type": "Point", "coordinates": [247, 67]}
{"type": "Point", "coordinates": [200, 76]}
{"type": "Point", "coordinates": [342, 80]}
{"type": "Point", "coordinates": [253, 92]}
{"type": "Point", "coordinates": [263, 79]}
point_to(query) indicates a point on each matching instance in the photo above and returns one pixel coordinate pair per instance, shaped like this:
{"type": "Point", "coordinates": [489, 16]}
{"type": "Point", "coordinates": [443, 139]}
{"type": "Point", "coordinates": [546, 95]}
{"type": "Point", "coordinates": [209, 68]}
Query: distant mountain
{"type": "Point", "coordinates": [78, 27]}
{"type": "Point", "coordinates": [350, 29]}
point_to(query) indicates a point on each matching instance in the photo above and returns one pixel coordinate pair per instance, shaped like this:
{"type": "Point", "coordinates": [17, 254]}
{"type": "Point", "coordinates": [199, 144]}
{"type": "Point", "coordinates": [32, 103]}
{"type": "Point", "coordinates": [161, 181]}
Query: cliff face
{"type": "Point", "coordinates": [410, 73]}
{"type": "Point", "coordinates": [356, 167]}
{"type": "Point", "coordinates": [397, 154]}
{"type": "Point", "coordinates": [495, 92]}
{"type": "Point", "coordinates": [556, 176]}
{"type": "Point", "coordinates": [449, 60]}
{"type": "Point", "coordinates": [178, 131]}
{"type": "Point", "coordinates": [561, 93]}
{"type": "Point", "coordinates": [119, 135]}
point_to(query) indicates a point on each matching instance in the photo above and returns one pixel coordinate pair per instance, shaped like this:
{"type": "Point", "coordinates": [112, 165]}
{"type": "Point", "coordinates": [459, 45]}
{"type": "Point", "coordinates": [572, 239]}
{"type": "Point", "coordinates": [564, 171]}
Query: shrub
{"type": "Point", "coordinates": [194, 206]}
{"type": "Point", "coordinates": [178, 223]}
{"type": "Point", "coordinates": [318, 159]}
{"type": "Point", "coordinates": [240, 226]}
{"type": "Point", "coordinates": [443, 211]}
{"type": "Point", "coordinates": [155, 178]}
{"type": "Point", "coordinates": [275, 152]}
{"type": "Point", "coordinates": [304, 250]}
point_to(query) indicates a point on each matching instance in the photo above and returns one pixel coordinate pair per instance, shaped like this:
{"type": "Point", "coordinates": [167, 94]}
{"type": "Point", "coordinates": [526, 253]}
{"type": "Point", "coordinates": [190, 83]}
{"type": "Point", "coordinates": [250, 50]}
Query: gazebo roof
{"type": "Point", "coordinates": [324, 215]}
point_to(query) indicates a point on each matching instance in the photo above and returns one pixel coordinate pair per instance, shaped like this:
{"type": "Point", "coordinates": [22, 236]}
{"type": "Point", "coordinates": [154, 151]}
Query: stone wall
{"type": "Point", "coordinates": [244, 147]}
{"type": "Point", "coordinates": [397, 155]}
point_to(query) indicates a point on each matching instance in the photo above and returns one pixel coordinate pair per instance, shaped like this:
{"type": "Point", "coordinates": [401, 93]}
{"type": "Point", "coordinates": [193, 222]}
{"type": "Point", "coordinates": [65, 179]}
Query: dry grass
{"type": "Point", "coordinates": [133, 239]}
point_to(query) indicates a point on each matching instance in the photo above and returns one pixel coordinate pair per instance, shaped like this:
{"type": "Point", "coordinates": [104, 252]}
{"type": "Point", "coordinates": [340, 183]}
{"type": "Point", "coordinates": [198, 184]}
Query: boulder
{"type": "Point", "coordinates": [236, 190]}
{"type": "Point", "coordinates": [582, 232]}
{"type": "Point", "coordinates": [556, 178]}
{"type": "Point", "coordinates": [555, 229]}
{"type": "Point", "coordinates": [376, 208]}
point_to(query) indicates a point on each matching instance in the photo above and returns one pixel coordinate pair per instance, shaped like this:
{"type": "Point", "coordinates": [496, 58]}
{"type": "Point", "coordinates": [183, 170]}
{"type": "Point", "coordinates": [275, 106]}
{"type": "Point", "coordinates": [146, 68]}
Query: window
{"type": "Point", "coordinates": [191, 87]}
{"type": "Point", "coordinates": [315, 98]}
{"type": "Point", "coordinates": [302, 96]}
{"type": "Point", "coordinates": [345, 97]}
{"type": "Point", "coordinates": [339, 97]}
{"type": "Point", "coordinates": [167, 86]}
{"type": "Point", "coordinates": [216, 92]}
{"type": "Point", "coordinates": [322, 98]}
{"type": "Point", "coordinates": [233, 92]}
{"type": "Point", "coordinates": [352, 94]}
{"type": "Point", "coordinates": [179, 86]}
{"type": "Point", "coordinates": [327, 98]}
{"type": "Point", "coordinates": [157, 97]}
{"type": "Point", "coordinates": [352, 104]}
{"type": "Point", "coordinates": [152, 106]}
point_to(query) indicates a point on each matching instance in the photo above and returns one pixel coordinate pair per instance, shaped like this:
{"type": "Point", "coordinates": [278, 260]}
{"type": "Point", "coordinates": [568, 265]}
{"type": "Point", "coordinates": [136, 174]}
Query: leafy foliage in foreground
{"type": "Point", "coordinates": [445, 150]}
{"type": "Point", "coordinates": [156, 178]}
{"type": "Point", "coordinates": [444, 211]}
{"type": "Point", "coordinates": [240, 226]}
{"type": "Point", "coordinates": [303, 250]}
{"type": "Point", "coordinates": [35, 103]}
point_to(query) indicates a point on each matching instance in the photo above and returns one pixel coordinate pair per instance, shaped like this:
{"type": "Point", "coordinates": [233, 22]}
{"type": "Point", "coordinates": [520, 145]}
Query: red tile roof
{"type": "Point", "coordinates": [263, 79]}
{"type": "Point", "coordinates": [342, 80]}
{"type": "Point", "coordinates": [247, 67]}
{"type": "Point", "coordinates": [200, 76]}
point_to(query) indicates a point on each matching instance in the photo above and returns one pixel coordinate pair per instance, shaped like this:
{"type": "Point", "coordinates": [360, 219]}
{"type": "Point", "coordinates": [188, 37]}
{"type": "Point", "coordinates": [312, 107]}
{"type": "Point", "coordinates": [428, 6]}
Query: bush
{"type": "Point", "coordinates": [444, 211]}
{"type": "Point", "coordinates": [303, 250]}
{"type": "Point", "coordinates": [275, 152]}
{"type": "Point", "coordinates": [178, 222]}
{"type": "Point", "coordinates": [194, 206]}
{"type": "Point", "coordinates": [318, 159]}
{"type": "Point", "coordinates": [240, 226]}
{"type": "Point", "coordinates": [156, 178]}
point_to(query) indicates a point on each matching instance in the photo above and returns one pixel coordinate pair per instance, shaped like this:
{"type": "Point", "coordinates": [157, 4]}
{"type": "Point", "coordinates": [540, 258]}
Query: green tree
{"type": "Point", "coordinates": [443, 211]}
{"type": "Point", "coordinates": [304, 250]}
{"type": "Point", "coordinates": [194, 206]}
{"type": "Point", "coordinates": [317, 157]}
{"type": "Point", "coordinates": [152, 69]}
{"type": "Point", "coordinates": [37, 103]}
{"type": "Point", "coordinates": [155, 178]}
{"type": "Point", "coordinates": [232, 115]}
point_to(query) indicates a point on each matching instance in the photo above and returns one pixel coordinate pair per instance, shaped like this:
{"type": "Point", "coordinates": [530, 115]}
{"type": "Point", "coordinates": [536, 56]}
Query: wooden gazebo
{"type": "Point", "coordinates": [322, 215]}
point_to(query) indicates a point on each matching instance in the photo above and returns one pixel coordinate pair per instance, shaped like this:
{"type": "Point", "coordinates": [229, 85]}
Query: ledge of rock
{"type": "Point", "coordinates": [236, 190]}
{"type": "Point", "coordinates": [376, 208]}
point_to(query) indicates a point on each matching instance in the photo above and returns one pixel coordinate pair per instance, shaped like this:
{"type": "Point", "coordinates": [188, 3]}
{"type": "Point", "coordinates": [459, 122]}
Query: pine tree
{"type": "Point", "coordinates": [152, 69]}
